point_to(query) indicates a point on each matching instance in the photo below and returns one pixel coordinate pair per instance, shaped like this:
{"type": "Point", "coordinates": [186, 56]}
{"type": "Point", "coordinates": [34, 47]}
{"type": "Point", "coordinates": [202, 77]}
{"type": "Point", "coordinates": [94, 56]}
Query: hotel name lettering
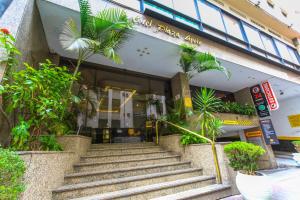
{"type": "Point", "coordinates": [167, 30]}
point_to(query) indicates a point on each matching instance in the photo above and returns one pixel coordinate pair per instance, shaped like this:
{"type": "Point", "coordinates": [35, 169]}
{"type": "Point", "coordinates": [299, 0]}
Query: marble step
{"type": "Point", "coordinates": [154, 190]}
{"type": "Point", "coordinates": [123, 150]}
{"type": "Point", "coordinates": [121, 157]}
{"type": "Point", "coordinates": [89, 176]}
{"type": "Point", "coordinates": [114, 145]}
{"type": "Point", "coordinates": [91, 166]}
{"type": "Point", "coordinates": [110, 185]}
{"type": "Point", "coordinates": [210, 192]}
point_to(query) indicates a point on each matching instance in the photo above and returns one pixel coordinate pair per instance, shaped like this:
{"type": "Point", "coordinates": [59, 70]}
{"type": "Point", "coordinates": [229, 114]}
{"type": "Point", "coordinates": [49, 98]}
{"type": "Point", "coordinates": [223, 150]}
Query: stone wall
{"type": "Point", "coordinates": [44, 172]}
{"type": "Point", "coordinates": [201, 156]}
{"type": "Point", "coordinates": [75, 143]}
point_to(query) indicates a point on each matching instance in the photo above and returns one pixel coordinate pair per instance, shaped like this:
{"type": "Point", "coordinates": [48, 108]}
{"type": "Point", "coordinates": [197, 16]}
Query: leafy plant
{"type": "Point", "coordinates": [39, 96]}
{"type": "Point", "coordinates": [101, 34]}
{"type": "Point", "coordinates": [215, 128]}
{"type": "Point", "coordinates": [191, 61]}
{"type": "Point", "coordinates": [21, 135]}
{"type": "Point", "coordinates": [12, 169]}
{"type": "Point", "coordinates": [234, 107]}
{"type": "Point", "coordinates": [187, 138]}
{"type": "Point", "coordinates": [243, 156]}
{"type": "Point", "coordinates": [206, 103]}
{"type": "Point", "coordinates": [296, 143]}
{"type": "Point", "coordinates": [49, 143]}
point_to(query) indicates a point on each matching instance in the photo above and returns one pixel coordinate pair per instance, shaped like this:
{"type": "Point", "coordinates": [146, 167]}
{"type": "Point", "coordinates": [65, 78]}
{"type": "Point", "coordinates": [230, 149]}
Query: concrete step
{"type": "Point", "coordinates": [124, 172]}
{"type": "Point", "coordinates": [100, 187]}
{"type": "Point", "coordinates": [121, 157]}
{"type": "Point", "coordinates": [210, 192]}
{"type": "Point", "coordinates": [114, 145]}
{"type": "Point", "coordinates": [124, 150]}
{"type": "Point", "coordinates": [154, 190]}
{"type": "Point", "coordinates": [125, 163]}
{"type": "Point", "coordinates": [290, 157]}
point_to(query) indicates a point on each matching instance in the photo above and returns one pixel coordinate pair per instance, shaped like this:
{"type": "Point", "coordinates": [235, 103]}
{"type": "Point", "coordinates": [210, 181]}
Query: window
{"type": "Point", "coordinates": [233, 26]}
{"type": "Point", "coordinates": [135, 4]}
{"type": "Point", "coordinates": [253, 36]}
{"type": "Point", "coordinates": [158, 10]}
{"type": "Point", "coordinates": [284, 51]}
{"type": "Point", "coordinates": [268, 43]}
{"type": "Point", "coordinates": [294, 55]}
{"type": "Point", "coordinates": [271, 3]}
{"type": "Point", "coordinates": [186, 7]}
{"type": "Point", "coordinates": [211, 16]}
{"type": "Point", "coordinates": [3, 6]}
{"type": "Point", "coordinates": [168, 3]}
{"type": "Point", "coordinates": [284, 12]}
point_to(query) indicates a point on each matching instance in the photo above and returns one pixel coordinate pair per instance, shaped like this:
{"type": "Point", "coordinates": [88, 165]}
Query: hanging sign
{"type": "Point", "coordinates": [259, 101]}
{"type": "Point", "coordinates": [253, 134]}
{"type": "Point", "coordinates": [270, 96]}
{"type": "Point", "coordinates": [268, 131]}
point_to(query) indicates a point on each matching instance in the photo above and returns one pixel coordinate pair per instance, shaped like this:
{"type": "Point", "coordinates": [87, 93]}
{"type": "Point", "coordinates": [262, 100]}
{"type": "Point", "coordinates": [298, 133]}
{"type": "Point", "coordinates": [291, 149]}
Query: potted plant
{"type": "Point", "coordinates": [296, 144]}
{"type": "Point", "coordinates": [243, 158]}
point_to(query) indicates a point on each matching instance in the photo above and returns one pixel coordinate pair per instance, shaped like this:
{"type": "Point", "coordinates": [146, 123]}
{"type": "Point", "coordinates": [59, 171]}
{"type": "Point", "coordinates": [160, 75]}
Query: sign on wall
{"type": "Point", "coordinates": [268, 131]}
{"type": "Point", "coordinates": [270, 96]}
{"type": "Point", "coordinates": [259, 101]}
{"type": "Point", "coordinates": [294, 120]}
{"type": "Point", "coordinates": [252, 134]}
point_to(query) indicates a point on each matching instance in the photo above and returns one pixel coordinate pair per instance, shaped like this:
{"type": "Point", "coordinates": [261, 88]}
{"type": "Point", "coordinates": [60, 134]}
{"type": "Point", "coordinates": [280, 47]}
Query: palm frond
{"type": "Point", "coordinates": [206, 62]}
{"type": "Point", "coordinates": [71, 39]}
{"type": "Point", "coordinates": [86, 18]}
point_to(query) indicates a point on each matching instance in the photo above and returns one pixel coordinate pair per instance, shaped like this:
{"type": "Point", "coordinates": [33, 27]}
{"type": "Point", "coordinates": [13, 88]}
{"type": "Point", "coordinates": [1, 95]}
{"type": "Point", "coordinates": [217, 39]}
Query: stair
{"type": "Point", "coordinates": [136, 171]}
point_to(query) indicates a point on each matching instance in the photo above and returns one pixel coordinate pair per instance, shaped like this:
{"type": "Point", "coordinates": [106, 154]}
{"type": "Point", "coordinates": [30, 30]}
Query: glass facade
{"type": "Point", "coordinates": [3, 6]}
{"type": "Point", "coordinates": [221, 24]}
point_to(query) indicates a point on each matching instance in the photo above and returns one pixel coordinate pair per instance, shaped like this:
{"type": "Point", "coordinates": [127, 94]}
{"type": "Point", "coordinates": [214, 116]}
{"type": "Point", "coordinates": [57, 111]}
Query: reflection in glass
{"type": "Point", "coordinates": [186, 7]}
{"type": "Point", "coordinates": [253, 36]}
{"type": "Point", "coordinates": [233, 27]}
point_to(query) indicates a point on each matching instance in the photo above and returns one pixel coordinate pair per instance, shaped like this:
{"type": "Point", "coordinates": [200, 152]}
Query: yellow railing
{"type": "Point", "coordinates": [213, 145]}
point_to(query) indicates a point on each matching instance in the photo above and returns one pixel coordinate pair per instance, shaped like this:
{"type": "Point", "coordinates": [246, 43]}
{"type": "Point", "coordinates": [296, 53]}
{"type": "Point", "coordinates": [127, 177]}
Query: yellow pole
{"type": "Point", "coordinates": [214, 151]}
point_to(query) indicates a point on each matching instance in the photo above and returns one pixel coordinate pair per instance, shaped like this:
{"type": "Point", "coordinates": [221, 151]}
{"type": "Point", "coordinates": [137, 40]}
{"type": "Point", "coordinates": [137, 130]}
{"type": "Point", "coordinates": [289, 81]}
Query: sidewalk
{"type": "Point", "coordinates": [285, 183]}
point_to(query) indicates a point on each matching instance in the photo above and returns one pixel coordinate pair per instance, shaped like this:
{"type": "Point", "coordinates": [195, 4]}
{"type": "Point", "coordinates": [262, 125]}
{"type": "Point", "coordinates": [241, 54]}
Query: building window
{"type": "Point", "coordinates": [284, 12]}
{"type": "Point", "coordinates": [186, 7]}
{"type": "Point", "coordinates": [233, 26]}
{"type": "Point", "coordinates": [284, 51]}
{"type": "Point", "coordinates": [268, 44]}
{"type": "Point", "coordinates": [211, 16]}
{"type": "Point", "coordinates": [293, 54]}
{"type": "Point", "coordinates": [253, 36]}
{"type": "Point", "coordinates": [168, 3]}
{"type": "Point", "coordinates": [3, 6]}
{"type": "Point", "coordinates": [158, 10]}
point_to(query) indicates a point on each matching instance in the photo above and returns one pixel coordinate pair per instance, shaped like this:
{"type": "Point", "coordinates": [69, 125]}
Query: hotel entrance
{"type": "Point", "coordinates": [121, 106]}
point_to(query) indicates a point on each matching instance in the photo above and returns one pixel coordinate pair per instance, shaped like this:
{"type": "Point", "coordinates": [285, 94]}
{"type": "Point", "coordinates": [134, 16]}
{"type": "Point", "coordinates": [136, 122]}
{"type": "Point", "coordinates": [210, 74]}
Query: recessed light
{"type": "Point", "coordinates": [141, 54]}
{"type": "Point", "coordinates": [138, 50]}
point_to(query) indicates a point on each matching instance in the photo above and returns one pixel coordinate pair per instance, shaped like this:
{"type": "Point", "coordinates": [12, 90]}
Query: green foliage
{"type": "Point", "coordinates": [187, 138]}
{"type": "Point", "coordinates": [49, 143]}
{"type": "Point", "coordinates": [21, 135]}
{"type": "Point", "coordinates": [101, 34]}
{"type": "Point", "coordinates": [191, 61]}
{"type": "Point", "coordinates": [243, 156]}
{"type": "Point", "coordinates": [40, 96]}
{"type": "Point", "coordinates": [215, 128]}
{"type": "Point", "coordinates": [12, 169]}
{"type": "Point", "coordinates": [206, 103]}
{"type": "Point", "coordinates": [296, 143]}
{"type": "Point", "coordinates": [234, 107]}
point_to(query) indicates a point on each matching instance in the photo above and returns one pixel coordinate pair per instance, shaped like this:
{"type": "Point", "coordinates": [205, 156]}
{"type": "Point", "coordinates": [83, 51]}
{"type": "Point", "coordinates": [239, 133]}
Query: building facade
{"type": "Point", "coordinates": [255, 40]}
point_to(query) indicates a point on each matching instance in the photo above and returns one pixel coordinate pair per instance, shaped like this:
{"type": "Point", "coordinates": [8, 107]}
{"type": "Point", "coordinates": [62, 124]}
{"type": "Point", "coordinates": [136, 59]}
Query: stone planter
{"type": "Point", "coordinates": [254, 187]}
{"type": "Point", "coordinates": [75, 143]}
{"type": "Point", "coordinates": [44, 172]}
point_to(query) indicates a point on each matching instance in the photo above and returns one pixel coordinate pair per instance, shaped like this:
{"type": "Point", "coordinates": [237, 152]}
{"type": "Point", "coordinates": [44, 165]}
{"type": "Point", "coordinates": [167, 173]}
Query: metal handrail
{"type": "Point", "coordinates": [213, 145]}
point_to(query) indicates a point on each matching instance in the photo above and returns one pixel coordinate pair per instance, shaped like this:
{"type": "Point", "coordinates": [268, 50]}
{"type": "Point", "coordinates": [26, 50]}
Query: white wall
{"type": "Point", "coordinates": [280, 117]}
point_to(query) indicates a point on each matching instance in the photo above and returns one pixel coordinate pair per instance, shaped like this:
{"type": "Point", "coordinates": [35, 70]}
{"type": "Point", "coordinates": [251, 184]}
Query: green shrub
{"type": "Point", "coordinates": [296, 143]}
{"type": "Point", "coordinates": [187, 138]}
{"type": "Point", "coordinates": [243, 156]}
{"type": "Point", "coordinates": [49, 143]}
{"type": "Point", "coordinates": [236, 108]}
{"type": "Point", "coordinates": [12, 169]}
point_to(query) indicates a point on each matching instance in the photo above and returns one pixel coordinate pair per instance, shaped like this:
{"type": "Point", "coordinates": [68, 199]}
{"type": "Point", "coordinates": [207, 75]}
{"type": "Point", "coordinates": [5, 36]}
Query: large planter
{"type": "Point", "coordinates": [254, 187]}
{"type": "Point", "coordinates": [75, 143]}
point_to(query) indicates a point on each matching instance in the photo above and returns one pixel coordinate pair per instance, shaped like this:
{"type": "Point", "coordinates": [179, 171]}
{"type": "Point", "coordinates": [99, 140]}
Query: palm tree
{"type": "Point", "coordinates": [100, 34]}
{"type": "Point", "coordinates": [191, 61]}
{"type": "Point", "coordinates": [206, 103]}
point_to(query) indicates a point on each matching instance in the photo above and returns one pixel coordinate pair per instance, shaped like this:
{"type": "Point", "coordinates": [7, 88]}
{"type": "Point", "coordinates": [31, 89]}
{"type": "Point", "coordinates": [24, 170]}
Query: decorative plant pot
{"type": "Point", "coordinates": [254, 187]}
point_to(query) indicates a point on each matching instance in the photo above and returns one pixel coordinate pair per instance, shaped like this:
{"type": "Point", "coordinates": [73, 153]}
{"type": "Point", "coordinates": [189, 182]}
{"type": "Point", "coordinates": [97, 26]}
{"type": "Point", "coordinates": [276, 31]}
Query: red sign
{"type": "Point", "coordinates": [270, 96]}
